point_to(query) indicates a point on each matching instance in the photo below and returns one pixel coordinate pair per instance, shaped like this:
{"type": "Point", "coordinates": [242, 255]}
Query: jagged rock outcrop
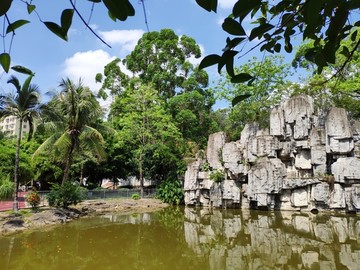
{"type": "Point", "coordinates": [304, 161]}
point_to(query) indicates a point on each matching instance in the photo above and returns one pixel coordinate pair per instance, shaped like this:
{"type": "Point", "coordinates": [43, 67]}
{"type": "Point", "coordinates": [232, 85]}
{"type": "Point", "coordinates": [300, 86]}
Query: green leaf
{"type": "Point", "coordinates": [277, 47]}
{"type": "Point", "coordinates": [239, 98]}
{"type": "Point", "coordinates": [4, 6]}
{"type": "Point", "coordinates": [111, 16]}
{"type": "Point", "coordinates": [209, 5]}
{"type": "Point", "coordinates": [337, 22]}
{"type": "Point", "coordinates": [241, 77]}
{"type": "Point", "coordinates": [30, 8]}
{"type": "Point", "coordinates": [5, 61]}
{"type": "Point", "coordinates": [243, 7]}
{"type": "Point", "coordinates": [231, 43]}
{"type": "Point", "coordinates": [329, 52]}
{"type": "Point", "coordinates": [260, 30]}
{"type": "Point", "coordinates": [14, 25]}
{"type": "Point", "coordinates": [312, 15]}
{"type": "Point", "coordinates": [22, 70]}
{"type": "Point", "coordinates": [56, 29]}
{"type": "Point", "coordinates": [209, 60]}
{"type": "Point", "coordinates": [233, 27]}
{"type": "Point", "coordinates": [121, 9]}
{"type": "Point", "coordinates": [227, 59]}
{"type": "Point", "coordinates": [354, 35]}
{"type": "Point", "coordinates": [66, 19]}
{"type": "Point", "coordinates": [345, 51]}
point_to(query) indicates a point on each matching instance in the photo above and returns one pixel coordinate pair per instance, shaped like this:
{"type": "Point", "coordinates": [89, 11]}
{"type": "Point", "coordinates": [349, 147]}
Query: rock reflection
{"type": "Point", "coordinates": [233, 239]}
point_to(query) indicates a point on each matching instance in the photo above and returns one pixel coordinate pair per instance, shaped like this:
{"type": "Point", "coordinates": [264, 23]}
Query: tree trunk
{"type": "Point", "coordinates": [68, 163]}
{"type": "Point", "coordinates": [16, 173]}
{"type": "Point", "coordinates": [141, 176]}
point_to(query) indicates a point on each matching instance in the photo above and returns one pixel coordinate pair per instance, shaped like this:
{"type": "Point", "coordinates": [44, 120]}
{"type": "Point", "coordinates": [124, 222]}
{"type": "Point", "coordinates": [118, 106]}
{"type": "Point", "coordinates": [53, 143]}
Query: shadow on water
{"type": "Point", "coordinates": [190, 238]}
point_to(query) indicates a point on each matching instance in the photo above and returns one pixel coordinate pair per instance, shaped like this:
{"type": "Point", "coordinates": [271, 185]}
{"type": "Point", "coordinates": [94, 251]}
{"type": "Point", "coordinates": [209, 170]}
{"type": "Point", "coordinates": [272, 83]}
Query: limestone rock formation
{"type": "Point", "coordinates": [303, 161]}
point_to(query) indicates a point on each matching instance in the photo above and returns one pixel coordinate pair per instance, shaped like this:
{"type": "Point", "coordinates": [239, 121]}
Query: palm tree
{"type": "Point", "coordinates": [24, 104]}
{"type": "Point", "coordinates": [72, 116]}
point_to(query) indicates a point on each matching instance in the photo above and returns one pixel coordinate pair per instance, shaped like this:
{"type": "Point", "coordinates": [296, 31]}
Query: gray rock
{"type": "Point", "coordinates": [338, 132]}
{"type": "Point", "coordinates": [277, 122]}
{"type": "Point", "coordinates": [215, 145]}
{"type": "Point", "coordinates": [266, 176]}
{"type": "Point", "coordinates": [233, 160]}
{"type": "Point", "coordinates": [346, 169]}
{"type": "Point", "coordinates": [299, 197]}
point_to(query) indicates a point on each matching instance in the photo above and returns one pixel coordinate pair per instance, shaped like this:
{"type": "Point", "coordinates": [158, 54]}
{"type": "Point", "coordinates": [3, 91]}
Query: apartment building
{"type": "Point", "coordinates": [10, 126]}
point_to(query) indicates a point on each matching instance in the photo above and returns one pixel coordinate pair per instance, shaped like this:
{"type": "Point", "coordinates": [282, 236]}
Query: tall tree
{"type": "Point", "coordinates": [73, 115]}
{"type": "Point", "coordinates": [143, 124]}
{"type": "Point", "coordinates": [161, 59]}
{"type": "Point", "coordinates": [266, 91]}
{"type": "Point", "coordinates": [24, 104]}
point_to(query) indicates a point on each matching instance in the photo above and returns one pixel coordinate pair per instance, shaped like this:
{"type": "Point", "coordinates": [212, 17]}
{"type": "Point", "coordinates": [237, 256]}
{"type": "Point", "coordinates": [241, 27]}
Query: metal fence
{"type": "Point", "coordinates": [91, 195]}
{"type": "Point", "coordinates": [119, 193]}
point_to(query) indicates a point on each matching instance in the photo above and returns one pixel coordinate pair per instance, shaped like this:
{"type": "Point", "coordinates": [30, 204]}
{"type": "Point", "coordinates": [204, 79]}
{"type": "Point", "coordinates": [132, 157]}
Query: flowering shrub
{"type": "Point", "coordinates": [33, 199]}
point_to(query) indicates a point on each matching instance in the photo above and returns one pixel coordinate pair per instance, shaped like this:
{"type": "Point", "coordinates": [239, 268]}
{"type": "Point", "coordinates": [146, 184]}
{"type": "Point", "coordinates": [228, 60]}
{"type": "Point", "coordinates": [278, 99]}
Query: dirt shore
{"type": "Point", "coordinates": [13, 223]}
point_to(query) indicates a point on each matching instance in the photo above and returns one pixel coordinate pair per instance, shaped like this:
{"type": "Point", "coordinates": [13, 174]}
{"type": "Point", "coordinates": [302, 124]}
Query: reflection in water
{"type": "Point", "coordinates": [264, 240]}
{"type": "Point", "coordinates": [177, 238]}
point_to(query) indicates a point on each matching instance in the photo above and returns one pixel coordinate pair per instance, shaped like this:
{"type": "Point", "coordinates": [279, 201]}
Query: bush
{"type": "Point", "coordinates": [217, 175]}
{"type": "Point", "coordinates": [171, 191]}
{"type": "Point", "coordinates": [65, 195]}
{"type": "Point", "coordinates": [135, 196]}
{"type": "Point", "coordinates": [33, 199]}
{"type": "Point", "coordinates": [6, 188]}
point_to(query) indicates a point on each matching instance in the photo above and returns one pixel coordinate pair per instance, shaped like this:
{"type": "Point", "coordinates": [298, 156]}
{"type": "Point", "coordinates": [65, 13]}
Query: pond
{"type": "Point", "coordinates": [190, 238]}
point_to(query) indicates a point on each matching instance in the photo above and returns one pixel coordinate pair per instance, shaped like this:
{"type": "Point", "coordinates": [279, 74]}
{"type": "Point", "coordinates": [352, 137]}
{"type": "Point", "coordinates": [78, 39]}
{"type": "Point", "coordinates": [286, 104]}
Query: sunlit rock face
{"type": "Point", "coordinates": [304, 161]}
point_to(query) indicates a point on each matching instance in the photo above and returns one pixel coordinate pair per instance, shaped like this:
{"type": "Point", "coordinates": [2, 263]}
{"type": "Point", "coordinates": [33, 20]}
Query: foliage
{"type": "Point", "coordinates": [66, 194]}
{"type": "Point", "coordinates": [73, 116]}
{"type": "Point", "coordinates": [205, 167]}
{"type": "Point", "coordinates": [217, 175]}
{"type": "Point", "coordinates": [25, 106]}
{"type": "Point", "coordinates": [191, 112]}
{"type": "Point", "coordinates": [275, 27]}
{"type": "Point", "coordinates": [6, 187]}
{"type": "Point", "coordinates": [160, 59]}
{"type": "Point", "coordinates": [135, 196]}
{"type": "Point", "coordinates": [270, 86]}
{"type": "Point", "coordinates": [33, 199]}
{"type": "Point", "coordinates": [146, 132]}
{"type": "Point", "coordinates": [171, 191]}
{"type": "Point", "coordinates": [340, 92]}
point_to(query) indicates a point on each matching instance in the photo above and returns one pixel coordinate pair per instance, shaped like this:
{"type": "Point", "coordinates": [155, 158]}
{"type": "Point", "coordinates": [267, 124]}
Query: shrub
{"type": "Point", "coordinates": [217, 175]}
{"type": "Point", "coordinates": [33, 199]}
{"type": "Point", "coordinates": [171, 191]}
{"type": "Point", "coordinates": [65, 195]}
{"type": "Point", "coordinates": [6, 188]}
{"type": "Point", "coordinates": [135, 196]}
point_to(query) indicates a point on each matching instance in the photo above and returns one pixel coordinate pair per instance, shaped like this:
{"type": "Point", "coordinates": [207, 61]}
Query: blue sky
{"type": "Point", "coordinates": [84, 55]}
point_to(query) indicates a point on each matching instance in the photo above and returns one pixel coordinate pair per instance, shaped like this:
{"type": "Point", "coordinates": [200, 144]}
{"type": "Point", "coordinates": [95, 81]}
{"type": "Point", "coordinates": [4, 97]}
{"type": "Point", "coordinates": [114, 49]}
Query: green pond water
{"type": "Point", "coordinates": [189, 238]}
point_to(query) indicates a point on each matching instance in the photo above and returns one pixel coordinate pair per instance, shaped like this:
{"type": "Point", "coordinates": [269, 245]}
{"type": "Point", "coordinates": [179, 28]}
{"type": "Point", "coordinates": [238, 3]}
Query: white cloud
{"type": "Point", "coordinates": [227, 4]}
{"type": "Point", "coordinates": [127, 39]}
{"type": "Point", "coordinates": [86, 65]}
